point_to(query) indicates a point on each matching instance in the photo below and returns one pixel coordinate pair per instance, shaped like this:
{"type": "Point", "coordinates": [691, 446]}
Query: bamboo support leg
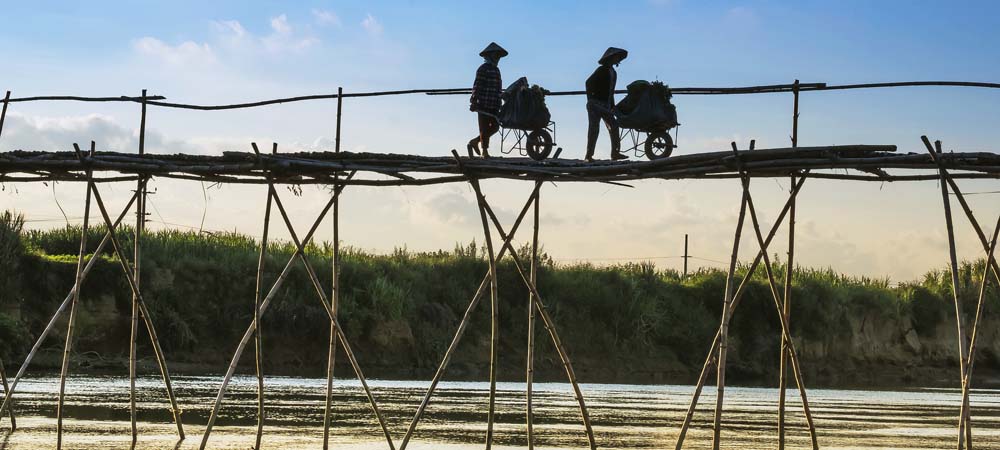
{"type": "Point", "coordinates": [786, 312]}
{"type": "Point", "coordinates": [249, 334]}
{"type": "Point", "coordinates": [334, 302]}
{"type": "Point", "coordinates": [530, 364]}
{"type": "Point", "coordinates": [548, 323]}
{"type": "Point", "coordinates": [461, 327]}
{"type": "Point", "coordinates": [724, 327]}
{"type": "Point", "coordinates": [67, 347]}
{"type": "Point", "coordinates": [321, 293]}
{"type": "Point", "coordinates": [710, 360]}
{"type": "Point", "coordinates": [143, 311]}
{"type": "Point", "coordinates": [963, 420]}
{"type": "Point", "coordinates": [8, 395]}
{"type": "Point", "coordinates": [258, 339]}
{"type": "Point", "coordinates": [6, 389]}
{"type": "Point", "coordinates": [785, 330]}
{"type": "Point", "coordinates": [967, 379]}
{"type": "Point", "coordinates": [140, 190]}
{"type": "Point", "coordinates": [494, 314]}
{"type": "Point", "coordinates": [140, 222]}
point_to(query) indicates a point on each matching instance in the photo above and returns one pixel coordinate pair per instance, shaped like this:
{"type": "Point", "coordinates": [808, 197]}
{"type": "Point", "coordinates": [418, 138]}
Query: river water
{"type": "Point", "coordinates": [624, 416]}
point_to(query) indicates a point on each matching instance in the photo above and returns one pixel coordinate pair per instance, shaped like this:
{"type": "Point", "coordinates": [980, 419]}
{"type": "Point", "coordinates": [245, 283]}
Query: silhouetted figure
{"type": "Point", "coordinates": [601, 101]}
{"type": "Point", "coordinates": [485, 100]}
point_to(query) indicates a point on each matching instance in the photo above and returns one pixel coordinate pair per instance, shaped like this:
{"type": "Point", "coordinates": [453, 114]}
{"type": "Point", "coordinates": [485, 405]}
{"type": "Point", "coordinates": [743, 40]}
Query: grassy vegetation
{"type": "Point", "coordinates": [622, 322]}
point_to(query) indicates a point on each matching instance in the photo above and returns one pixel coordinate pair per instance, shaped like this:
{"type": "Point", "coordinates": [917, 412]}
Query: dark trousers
{"type": "Point", "coordinates": [488, 126]}
{"type": "Point", "coordinates": [596, 112]}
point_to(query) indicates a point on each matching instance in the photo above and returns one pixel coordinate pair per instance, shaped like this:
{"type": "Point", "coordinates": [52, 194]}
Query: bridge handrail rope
{"type": "Point", "coordinates": [764, 89]}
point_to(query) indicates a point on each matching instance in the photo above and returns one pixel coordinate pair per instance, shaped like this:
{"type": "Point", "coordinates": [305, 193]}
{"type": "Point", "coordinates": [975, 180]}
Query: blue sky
{"type": "Point", "coordinates": [225, 51]}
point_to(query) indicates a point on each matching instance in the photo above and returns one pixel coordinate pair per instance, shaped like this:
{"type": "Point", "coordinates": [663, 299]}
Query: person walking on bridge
{"type": "Point", "coordinates": [601, 102]}
{"type": "Point", "coordinates": [485, 100]}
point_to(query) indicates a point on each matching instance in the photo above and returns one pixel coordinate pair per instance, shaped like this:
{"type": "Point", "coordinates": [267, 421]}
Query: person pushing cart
{"type": "Point", "coordinates": [601, 102]}
{"type": "Point", "coordinates": [486, 98]}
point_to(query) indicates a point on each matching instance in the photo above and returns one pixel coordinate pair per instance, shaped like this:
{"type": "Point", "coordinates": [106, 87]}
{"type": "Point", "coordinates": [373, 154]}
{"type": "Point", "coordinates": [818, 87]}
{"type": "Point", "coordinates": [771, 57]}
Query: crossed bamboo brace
{"type": "Point", "coordinates": [717, 351]}
{"type": "Point", "coordinates": [72, 300]}
{"type": "Point", "coordinates": [967, 345]}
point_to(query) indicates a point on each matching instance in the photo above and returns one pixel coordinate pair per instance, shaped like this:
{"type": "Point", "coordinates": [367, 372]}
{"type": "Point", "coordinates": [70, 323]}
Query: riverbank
{"type": "Point", "coordinates": [620, 324]}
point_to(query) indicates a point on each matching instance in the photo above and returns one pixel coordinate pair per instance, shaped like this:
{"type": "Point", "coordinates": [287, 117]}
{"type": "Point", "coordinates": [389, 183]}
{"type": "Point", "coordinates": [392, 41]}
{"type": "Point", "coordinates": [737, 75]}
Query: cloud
{"type": "Point", "coordinates": [280, 25]}
{"type": "Point", "coordinates": [283, 37]}
{"type": "Point", "coordinates": [185, 53]}
{"type": "Point", "coordinates": [372, 25]}
{"type": "Point", "coordinates": [324, 17]}
{"type": "Point", "coordinates": [60, 133]}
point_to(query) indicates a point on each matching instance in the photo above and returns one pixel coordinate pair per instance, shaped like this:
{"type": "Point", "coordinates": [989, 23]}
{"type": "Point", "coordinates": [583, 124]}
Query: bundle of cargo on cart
{"type": "Point", "coordinates": [645, 117]}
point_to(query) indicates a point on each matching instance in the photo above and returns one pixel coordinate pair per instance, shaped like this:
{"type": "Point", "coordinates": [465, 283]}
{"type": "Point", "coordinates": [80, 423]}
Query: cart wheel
{"type": "Point", "coordinates": [539, 144]}
{"type": "Point", "coordinates": [659, 145]}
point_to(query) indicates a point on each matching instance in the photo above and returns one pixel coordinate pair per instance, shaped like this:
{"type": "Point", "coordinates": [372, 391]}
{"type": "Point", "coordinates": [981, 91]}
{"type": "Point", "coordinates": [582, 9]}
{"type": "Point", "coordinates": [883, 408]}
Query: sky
{"type": "Point", "coordinates": [235, 51]}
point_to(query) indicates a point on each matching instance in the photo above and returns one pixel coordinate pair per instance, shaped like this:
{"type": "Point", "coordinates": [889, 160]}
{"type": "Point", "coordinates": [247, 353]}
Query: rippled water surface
{"type": "Point", "coordinates": [624, 416]}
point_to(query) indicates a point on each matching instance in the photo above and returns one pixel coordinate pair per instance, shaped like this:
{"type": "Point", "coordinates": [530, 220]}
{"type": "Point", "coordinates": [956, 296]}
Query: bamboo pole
{"type": "Point", "coordinates": [789, 270]}
{"type": "Point", "coordinates": [549, 326]}
{"type": "Point", "coordinates": [462, 325]}
{"type": "Point", "coordinates": [275, 287]}
{"type": "Point", "coordinates": [3, 371]}
{"type": "Point", "coordinates": [6, 389]}
{"type": "Point", "coordinates": [786, 332]}
{"type": "Point", "coordinates": [530, 370]}
{"type": "Point", "coordinates": [334, 288]}
{"type": "Point", "coordinates": [258, 339]}
{"type": "Point", "coordinates": [724, 327]}
{"type": "Point", "coordinates": [8, 395]}
{"type": "Point", "coordinates": [710, 360]}
{"type": "Point", "coordinates": [959, 318]}
{"type": "Point", "coordinates": [964, 428]}
{"type": "Point", "coordinates": [3, 112]}
{"type": "Point", "coordinates": [67, 347]}
{"type": "Point", "coordinates": [140, 221]}
{"type": "Point", "coordinates": [494, 313]}
{"type": "Point", "coordinates": [321, 293]}
{"type": "Point", "coordinates": [967, 380]}
{"type": "Point", "coordinates": [143, 311]}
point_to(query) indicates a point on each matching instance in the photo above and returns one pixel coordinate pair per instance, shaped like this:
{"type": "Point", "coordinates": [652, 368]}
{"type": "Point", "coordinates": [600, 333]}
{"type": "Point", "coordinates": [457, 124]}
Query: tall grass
{"type": "Point", "coordinates": [200, 290]}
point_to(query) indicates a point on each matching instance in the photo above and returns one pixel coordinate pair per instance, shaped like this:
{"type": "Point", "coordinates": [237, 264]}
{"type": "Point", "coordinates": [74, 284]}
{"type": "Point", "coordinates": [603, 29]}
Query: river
{"type": "Point", "coordinates": [624, 416]}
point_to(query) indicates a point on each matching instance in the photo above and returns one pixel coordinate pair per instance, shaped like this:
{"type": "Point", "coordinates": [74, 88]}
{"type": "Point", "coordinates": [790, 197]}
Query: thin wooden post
{"type": "Point", "coordinates": [530, 369]}
{"type": "Point", "coordinates": [494, 313]}
{"type": "Point", "coordinates": [443, 365]}
{"type": "Point", "coordinates": [711, 360]}
{"type": "Point", "coordinates": [789, 270]}
{"type": "Point", "coordinates": [334, 289]}
{"type": "Point", "coordinates": [258, 292]}
{"type": "Point", "coordinates": [68, 346]}
{"type": "Point", "coordinates": [549, 325]}
{"type": "Point", "coordinates": [8, 396]}
{"type": "Point", "coordinates": [140, 221]}
{"type": "Point", "coordinates": [249, 334]}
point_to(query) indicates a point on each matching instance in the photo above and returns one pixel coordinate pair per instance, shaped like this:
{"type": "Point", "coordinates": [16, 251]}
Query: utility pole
{"type": "Point", "coordinates": [686, 255]}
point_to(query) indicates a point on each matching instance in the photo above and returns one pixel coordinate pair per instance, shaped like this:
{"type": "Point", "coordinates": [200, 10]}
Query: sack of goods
{"type": "Point", "coordinates": [524, 106]}
{"type": "Point", "coordinates": [646, 107]}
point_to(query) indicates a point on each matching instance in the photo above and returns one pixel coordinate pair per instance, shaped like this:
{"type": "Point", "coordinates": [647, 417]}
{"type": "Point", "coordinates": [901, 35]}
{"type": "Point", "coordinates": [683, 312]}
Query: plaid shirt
{"type": "Point", "coordinates": [486, 90]}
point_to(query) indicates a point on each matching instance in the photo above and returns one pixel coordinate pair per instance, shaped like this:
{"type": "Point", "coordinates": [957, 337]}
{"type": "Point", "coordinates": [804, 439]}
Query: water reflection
{"type": "Point", "coordinates": [624, 416]}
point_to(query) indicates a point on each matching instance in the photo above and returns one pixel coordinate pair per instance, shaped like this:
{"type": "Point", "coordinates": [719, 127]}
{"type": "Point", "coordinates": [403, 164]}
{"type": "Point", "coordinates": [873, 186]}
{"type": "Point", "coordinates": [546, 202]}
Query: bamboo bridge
{"type": "Point", "coordinates": [339, 170]}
